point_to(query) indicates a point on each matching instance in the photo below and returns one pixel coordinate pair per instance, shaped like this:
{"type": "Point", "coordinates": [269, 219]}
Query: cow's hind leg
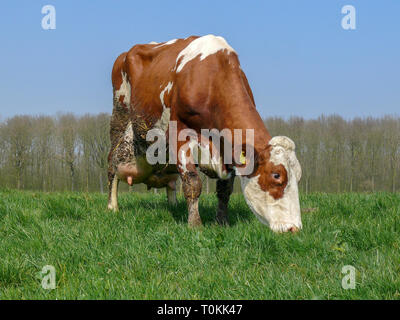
{"type": "Point", "coordinates": [224, 191]}
{"type": "Point", "coordinates": [171, 192]}
{"type": "Point", "coordinates": [113, 182]}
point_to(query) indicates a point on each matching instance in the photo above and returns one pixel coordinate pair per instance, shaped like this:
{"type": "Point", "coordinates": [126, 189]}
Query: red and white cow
{"type": "Point", "coordinates": [198, 83]}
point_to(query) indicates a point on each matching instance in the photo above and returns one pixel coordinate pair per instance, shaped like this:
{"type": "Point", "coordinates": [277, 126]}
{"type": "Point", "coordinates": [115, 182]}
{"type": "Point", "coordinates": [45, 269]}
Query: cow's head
{"type": "Point", "coordinates": [271, 191]}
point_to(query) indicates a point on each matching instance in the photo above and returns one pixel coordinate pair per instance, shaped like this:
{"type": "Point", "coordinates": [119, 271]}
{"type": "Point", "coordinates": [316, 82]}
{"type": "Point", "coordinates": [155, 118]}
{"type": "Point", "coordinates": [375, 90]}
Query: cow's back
{"type": "Point", "coordinates": [187, 76]}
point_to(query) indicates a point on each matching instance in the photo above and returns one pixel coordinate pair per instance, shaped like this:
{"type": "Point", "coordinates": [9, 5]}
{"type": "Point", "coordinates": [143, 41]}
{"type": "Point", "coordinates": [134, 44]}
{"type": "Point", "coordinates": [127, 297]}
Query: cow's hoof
{"type": "Point", "coordinates": [222, 220]}
{"type": "Point", "coordinates": [294, 230]}
{"type": "Point", "coordinates": [173, 203]}
{"type": "Point", "coordinates": [194, 223]}
{"type": "Point", "coordinates": [111, 208]}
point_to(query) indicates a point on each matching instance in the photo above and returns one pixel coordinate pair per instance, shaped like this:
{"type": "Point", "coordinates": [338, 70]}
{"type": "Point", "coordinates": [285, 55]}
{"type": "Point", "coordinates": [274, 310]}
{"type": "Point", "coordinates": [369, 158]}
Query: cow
{"type": "Point", "coordinates": [197, 83]}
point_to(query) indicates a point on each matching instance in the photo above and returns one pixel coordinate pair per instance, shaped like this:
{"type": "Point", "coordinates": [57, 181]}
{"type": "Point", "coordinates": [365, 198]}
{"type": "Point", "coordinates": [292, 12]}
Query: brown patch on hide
{"type": "Point", "coordinates": [212, 93]}
{"type": "Point", "coordinates": [268, 180]}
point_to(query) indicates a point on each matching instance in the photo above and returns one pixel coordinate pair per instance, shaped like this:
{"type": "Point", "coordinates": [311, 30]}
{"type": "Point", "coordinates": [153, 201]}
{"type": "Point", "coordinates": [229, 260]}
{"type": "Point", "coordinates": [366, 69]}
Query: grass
{"type": "Point", "coordinates": [146, 251]}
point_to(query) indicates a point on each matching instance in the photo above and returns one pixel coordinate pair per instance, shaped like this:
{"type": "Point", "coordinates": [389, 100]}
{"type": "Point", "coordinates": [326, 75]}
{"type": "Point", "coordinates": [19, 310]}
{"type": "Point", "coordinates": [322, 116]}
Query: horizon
{"type": "Point", "coordinates": [268, 117]}
{"type": "Point", "coordinates": [299, 60]}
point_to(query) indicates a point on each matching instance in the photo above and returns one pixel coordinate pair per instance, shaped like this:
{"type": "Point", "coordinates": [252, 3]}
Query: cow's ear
{"type": "Point", "coordinates": [283, 142]}
{"type": "Point", "coordinates": [243, 159]}
{"type": "Point", "coordinates": [288, 145]}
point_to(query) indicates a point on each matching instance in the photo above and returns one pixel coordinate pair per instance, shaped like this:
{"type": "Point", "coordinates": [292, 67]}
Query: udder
{"type": "Point", "coordinates": [162, 180]}
{"type": "Point", "coordinates": [134, 172]}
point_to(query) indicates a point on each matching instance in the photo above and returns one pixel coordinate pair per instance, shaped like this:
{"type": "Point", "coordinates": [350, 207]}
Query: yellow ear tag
{"type": "Point", "coordinates": [242, 158]}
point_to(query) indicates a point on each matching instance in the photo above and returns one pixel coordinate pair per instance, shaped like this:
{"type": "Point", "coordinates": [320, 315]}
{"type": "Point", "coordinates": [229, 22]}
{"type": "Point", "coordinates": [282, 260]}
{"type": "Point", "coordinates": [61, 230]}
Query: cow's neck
{"type": "Point", "coordinates": [261, 135]}
{"type": "Point", "coordinates": [247, 117]}
{"type": "Point", "coordinates": [242, 114]}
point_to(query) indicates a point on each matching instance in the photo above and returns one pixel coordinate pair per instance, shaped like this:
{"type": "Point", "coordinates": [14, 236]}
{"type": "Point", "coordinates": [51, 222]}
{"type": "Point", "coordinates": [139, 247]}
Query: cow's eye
{"type": "Point", "coordinates": [276, 176]}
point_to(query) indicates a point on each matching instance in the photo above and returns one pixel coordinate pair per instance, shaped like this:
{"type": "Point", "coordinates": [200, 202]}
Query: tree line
{"type": "Point", "coordinates": [69, 152]}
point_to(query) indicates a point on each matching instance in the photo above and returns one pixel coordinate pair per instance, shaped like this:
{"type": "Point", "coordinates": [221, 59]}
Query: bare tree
{"type": "Point", "coordinates": [68, 135]}
{"type": "Point", "coordinates": [18, 143]}
{"type": "Point", "coordinates": [70, 152]}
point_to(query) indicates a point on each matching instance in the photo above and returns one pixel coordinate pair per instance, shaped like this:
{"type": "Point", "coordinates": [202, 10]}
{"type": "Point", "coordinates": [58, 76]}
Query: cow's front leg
{"type": "Point", "coordinates": [113, 182]}
{"type": "Point", "coordinates": [224, 191]}
{"type": "Point", "coordinates": [191, 185]}
{"type": "Point", "coordinates": [191, 182]}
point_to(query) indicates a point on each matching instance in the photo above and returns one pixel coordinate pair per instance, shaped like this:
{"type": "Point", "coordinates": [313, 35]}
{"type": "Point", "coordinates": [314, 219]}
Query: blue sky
{"type": "Point", "coordinates": [297, 57]}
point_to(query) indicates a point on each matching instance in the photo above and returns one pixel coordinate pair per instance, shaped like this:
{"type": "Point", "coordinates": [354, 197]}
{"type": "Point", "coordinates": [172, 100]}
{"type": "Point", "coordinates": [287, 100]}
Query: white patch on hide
{"type": "Point", "coordinates": [203, 46]}
{"type": "Point", "coordinates": [128, 135]}
{"type": "Point", "coordinates": [191, 145]}
{"type": "Point", "coordinates": [166, 89]}
{"type": "Point", "coordinates": [209, 162]}
{"type": "Point", "coordinates": [281, 214]}
{"type": "Point", "coordinates": [163, 122]}
{"type": "Point", "coordinates": [283, 152]}
{"type": "Point", "coordinates": [166, 43]}
{"type": "Point", "coordinates": [284, 213]}
{"type": "Point", "coordinates": [153, 42]}
{"type": "Point", "coordinates": [183, 162]}
{"type": "Point", "coordinates": [124, 90]}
